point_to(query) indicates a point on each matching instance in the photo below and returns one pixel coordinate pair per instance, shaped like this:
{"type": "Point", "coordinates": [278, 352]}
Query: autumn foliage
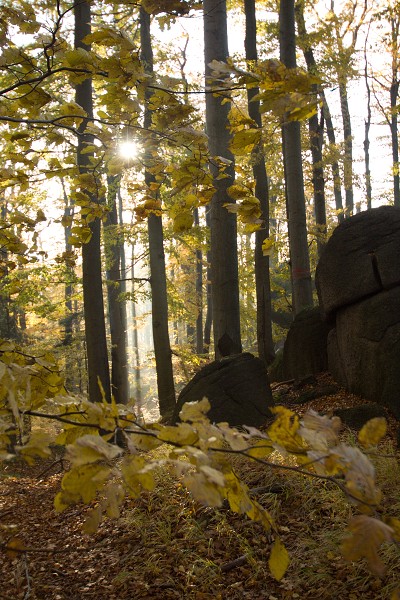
{"type": "Point", "coordinates": [199, 455]}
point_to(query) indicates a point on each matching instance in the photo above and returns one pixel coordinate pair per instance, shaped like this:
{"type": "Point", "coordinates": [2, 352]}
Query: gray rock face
{"type": "Point", "coordinates": [305, 352]}
{"type": "Point", "coordinates": [360, 259]}
{"type": "Point", "coordinates": [358, 284]}
{"type": "Point", "coordinates": [237, 388]}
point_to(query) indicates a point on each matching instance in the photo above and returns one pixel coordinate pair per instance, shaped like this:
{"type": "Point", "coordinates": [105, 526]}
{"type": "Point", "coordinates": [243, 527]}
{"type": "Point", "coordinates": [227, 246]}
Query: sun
{"type": "Point", "coordinates": [128, 149]}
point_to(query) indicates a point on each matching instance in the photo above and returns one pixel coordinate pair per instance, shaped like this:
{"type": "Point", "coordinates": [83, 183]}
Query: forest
{"type": "Point", "coordinates": [199, 237]}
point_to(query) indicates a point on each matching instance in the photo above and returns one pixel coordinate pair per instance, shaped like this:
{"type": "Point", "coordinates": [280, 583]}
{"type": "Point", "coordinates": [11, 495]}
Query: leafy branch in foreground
{"type": "Point", "coordinates": [198, 452]}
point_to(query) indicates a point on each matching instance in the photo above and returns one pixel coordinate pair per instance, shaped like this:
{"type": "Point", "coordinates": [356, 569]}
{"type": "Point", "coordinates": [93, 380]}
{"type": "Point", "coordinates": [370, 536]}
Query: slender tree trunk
{"type": "Point", "coordinates": [122, 257]}
{"type": "Point", "coordinates": [224, 261]}
{"type": "Point", "coordinates": [199, 292]}
{"type": "Point", "coordinates": [337, 186]}
{"type": "Point", "coordinates": [265, 342]}
{"type": "Point", "coordinates": [208, 319]}
{"type": "Point", "coordinates": [315, 129]}
{"type": "Point", "coordinates": [299, 256]}
{"type": "Point", "coordinates": [138, 384]}
{"type": "Point", "coordinates": [95, 331]}
{"type": "Point", "coordinates": [116, 305]}
{"type": "Point", "coordinates": [394, 93]}
{"type": "Point", "coordinates": [367, 125]}
{"type": "Point", "coordinates": [8, 323]}
{"type": "Point", "coordinates": [158, 280]}
{"type": "Point", "coordinates": [348, 146]}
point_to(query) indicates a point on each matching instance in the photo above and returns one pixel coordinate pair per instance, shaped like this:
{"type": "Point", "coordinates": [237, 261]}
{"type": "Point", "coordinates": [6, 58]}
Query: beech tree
{"type": "Point", "coordinates": [296, 211]}
{"type": "Point", "coordinates": [224, 263]}
{"type": "Point", "coordinates": [96, 343]}
{"type": "Point", "coordinates": [263, 285]}
{"type": "Point", "coordinates": [158, 280]}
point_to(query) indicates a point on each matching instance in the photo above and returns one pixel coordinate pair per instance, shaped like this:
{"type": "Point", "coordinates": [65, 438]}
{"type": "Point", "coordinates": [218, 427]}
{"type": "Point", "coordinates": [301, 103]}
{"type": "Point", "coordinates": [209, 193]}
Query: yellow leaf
{"type": "Point", "coordinates": [15, 547]}
{"type": "Point", "coordinates": [84, 481]}
{"type": "Point", "coordinates": [284, 430]}
{"type": "Point", "coordinates": [137, 475]}
{"type": "Point", "coordinates": [204, 489]}
{"type": "Point", "coordinates": [367, 535]}
{"type": "Point", "coordinates": [237, 494]}
{"type": "Point", "coordinates": [372, 432]}
{"type": "Point", "coordinates": [183, 221]}
{"type": "Point", "coordinates": [395, 525]}
{"type": "Point", "coordinates": [183, 434]}
{"type": "Point", "coordinates": [93, 520]}
{"type": "Point", "coordinates": [278, 560]}
{"type": "Point", "coordinates": [244, 141]}
{"type": "Point", "coordinates": [138, 441]}
{"type": "Point", "coordinates": [91, 448]}
{"type": "Point", "coordinates": [260, 449]}
{"type": "Point", "coordinates": [267, 247]}
{"type": "Point", "coordinates": [115, 495]}
{"type": "Point", "coordinates": [195, 411]}
{"type": "Point", "coordinates": [259, 514]}
{"type": "Point", "coordinates": [37, 447]}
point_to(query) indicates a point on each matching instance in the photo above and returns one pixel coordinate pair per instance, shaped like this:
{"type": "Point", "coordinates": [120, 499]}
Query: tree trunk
{"type": "Point", "coordinates": [95, 331]}
{"type": "Point", "coordinates": [208, 319]}
{"type": "Point", "coordinates": [265, 344]}
{"type": "Point", "coordinates": [297, 226]}
{"type": "Point", "coordinates": [224, 261]}
{"type": "Point", "coordinates": [316, 136]}
{"type": "Point", "coordinates": [138, 384]}
{"type": "Point", "coordinates": [158, 280]}
{"type": "Point", "coordinates": [116, 305]}
{"type": "Point", "coordinates": [337, 187]}
{"type": "Point", "coordinates": [348, 147]}
{"type": "Point", "coordinates": [199, 291]}
{"type": "Point", "coordinates": [367, 125]}
{"type": "Point", "coordinates": [394, 92]}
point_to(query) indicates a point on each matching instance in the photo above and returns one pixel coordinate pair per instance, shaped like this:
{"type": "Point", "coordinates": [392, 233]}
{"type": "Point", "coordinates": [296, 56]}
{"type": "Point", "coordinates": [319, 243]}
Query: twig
{"type": "Point", "coordinates": [238, 562]}
{"type": "Point", "coordinates": [28, 579]}
{"type": "Point", "coordinates": [280, 383]}
{"type": "Point", "coordinates": [53, 464]}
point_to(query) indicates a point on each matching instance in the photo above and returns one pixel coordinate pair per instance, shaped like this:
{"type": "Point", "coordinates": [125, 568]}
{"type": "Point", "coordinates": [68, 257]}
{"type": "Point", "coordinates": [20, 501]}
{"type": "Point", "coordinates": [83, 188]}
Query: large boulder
{"type": "Point", "coordinates": [364, 348]}
{"type": "Point", "coordinates": [304, 352]}
{"type": "Point", "coordinates": [237, 388]}
{"type": "Point", "coordinates": [360, 259]}
{"type": "Point", "coordinates": [358, 284]}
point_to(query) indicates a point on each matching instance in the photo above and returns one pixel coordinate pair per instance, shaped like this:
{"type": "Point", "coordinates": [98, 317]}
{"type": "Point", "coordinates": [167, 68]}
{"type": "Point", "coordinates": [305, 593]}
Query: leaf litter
{"type": "Point", "coordinates": [164, 545]}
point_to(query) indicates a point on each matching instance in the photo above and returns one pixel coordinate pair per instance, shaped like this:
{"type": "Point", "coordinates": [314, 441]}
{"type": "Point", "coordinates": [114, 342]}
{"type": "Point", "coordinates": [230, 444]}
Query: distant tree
{"type": "Point", "coordinates": [389, 21]}
{"type": "Point", "coordinates": [158, 280]}
{"type": "Point", "coordinates": [116, 304]}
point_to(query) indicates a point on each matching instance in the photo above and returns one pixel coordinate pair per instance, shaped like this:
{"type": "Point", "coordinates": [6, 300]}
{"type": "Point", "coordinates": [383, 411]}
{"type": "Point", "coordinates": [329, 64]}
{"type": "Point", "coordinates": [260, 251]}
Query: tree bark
{"type": "Point", "coordinates": [95, 331]}
{"type": "Point", "coordinates": [158, 280]}
{"type": "Point", "coordinates": [367, 126]}
{"type": "Point", "coordinates": [297, 226]}
{"type": "Point", "coordinates": [224, 261]}
{"type": "Point", "coordinates": [208, 319]}
{"type": "Point", "coordinates": [199, 292]}
{"type": "Point", "coordinates": [394, 93]}
{"type": "Point", "coordinates": [316, 136]}
{"type": "Point", "coordinates": [116, 305]}
{"type": "Point", "coordinates": [348, 146]}
{"type": "Point", "coordinates": [265, 344]}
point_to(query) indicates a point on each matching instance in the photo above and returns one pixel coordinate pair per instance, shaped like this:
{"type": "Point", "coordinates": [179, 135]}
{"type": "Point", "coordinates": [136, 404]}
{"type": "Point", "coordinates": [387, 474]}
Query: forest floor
{"type": "Point", "coordinates": [166, 546]}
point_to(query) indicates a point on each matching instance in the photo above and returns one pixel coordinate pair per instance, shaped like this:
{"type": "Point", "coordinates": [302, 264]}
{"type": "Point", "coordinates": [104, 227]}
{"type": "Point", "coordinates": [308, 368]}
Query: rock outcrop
{"type": "Point", "coordinates": [237, 388]}
{"type": "Point", "coordinates": [358, 284]}
{"type": "Point", "coordinates": [304, 352]}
